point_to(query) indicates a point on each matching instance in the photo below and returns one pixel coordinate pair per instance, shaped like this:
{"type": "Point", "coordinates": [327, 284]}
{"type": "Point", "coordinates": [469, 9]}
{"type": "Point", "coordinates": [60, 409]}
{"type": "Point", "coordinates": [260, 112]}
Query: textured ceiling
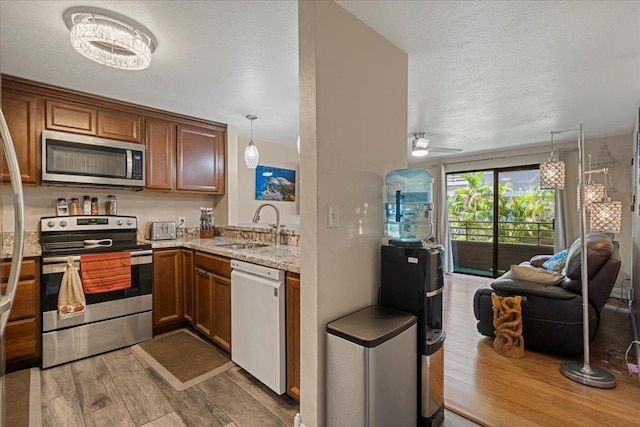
{"type": "Point", "coordinates": [482, 75]}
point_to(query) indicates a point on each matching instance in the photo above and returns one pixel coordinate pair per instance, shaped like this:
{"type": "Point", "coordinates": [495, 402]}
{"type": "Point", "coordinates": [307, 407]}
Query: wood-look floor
{"type": "Point", "coordinates": [120, 389]}
{"type": "Point", "coordinates": [495, 390]}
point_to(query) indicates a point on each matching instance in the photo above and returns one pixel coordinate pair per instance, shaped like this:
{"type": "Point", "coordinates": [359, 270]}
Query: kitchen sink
{"type": "Point", "coordinates": [243, 245]}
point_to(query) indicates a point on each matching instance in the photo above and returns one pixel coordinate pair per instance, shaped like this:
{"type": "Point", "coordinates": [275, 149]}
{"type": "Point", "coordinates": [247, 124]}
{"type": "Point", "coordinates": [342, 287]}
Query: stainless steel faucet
{"type": "Point", "coordinates": [256, 218]}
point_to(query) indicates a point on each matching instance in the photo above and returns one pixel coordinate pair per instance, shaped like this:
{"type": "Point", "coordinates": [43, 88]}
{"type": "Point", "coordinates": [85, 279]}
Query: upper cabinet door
{"type": "Point", "coordinates": [119, 126]}
{"type": "Point", "coordinates": [160, 139]}
{"type": "Point", "coordinates": [71, 118]}
{"type": "Point", "coordinates": [23, 115]}
{"type": "Point", "coordinates": [200, 161]}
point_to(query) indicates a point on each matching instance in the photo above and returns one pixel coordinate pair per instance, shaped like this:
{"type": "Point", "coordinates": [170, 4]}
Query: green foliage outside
{"type": "Point", "coordinates": [519, 215]}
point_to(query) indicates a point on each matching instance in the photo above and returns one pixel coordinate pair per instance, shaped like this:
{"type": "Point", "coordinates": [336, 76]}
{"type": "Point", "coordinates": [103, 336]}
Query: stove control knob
{"type": "Point", "coordinates": [50, 224]}
{"type": "Point", "coordinates": [63, 223]}
{"type": "Point", "coordinates": [119, 222]}
{"type": "Point", "coordinates": [129, 222]}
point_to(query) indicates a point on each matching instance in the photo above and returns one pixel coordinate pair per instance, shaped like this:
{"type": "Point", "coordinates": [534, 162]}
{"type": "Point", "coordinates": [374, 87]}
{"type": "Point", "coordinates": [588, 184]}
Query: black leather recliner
{"type": "Point", "coordinates": [552, 314]}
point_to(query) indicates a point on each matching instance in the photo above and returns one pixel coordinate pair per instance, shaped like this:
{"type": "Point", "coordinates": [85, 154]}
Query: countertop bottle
{"type": "Point", "coordinates": [111, 205]}
{"type": "Point", "coordinates": [74, 206]}
{"type": "Point", "coordinates": [86, 205]}
{"type": "Point", "coordinates": [94, 206]}
{"type": "Point", "coordinates": [62, 207]}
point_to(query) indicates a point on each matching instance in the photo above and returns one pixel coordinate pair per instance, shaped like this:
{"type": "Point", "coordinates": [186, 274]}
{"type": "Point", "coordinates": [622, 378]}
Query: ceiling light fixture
{"type": "Point", "coordinates": [251, 155]}
{"type": "Point", "coordinates": [109, 38]}
{"type": "Point", "coordinates": [419, 145]}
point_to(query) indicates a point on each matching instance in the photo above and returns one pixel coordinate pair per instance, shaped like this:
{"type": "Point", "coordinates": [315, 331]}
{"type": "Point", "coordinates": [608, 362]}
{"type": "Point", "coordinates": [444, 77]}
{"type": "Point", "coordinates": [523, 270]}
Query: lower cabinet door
{"type": "Point", "coordinates": [222, 312]}
{"type": "Point", "coordinates": [203, 302]}
{"type": "Point", "coordinates": [167, 284]}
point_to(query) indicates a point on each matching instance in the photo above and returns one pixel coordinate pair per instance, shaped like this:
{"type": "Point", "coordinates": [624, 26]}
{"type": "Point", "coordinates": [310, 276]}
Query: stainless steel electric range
{"type": "Point", "coordinates": [112, 319]}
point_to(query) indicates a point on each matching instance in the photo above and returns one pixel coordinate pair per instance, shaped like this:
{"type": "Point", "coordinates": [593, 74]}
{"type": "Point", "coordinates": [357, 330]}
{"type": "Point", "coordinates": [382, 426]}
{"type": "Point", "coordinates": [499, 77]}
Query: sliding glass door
{"type": "Point", "coordinates": [497, 218]}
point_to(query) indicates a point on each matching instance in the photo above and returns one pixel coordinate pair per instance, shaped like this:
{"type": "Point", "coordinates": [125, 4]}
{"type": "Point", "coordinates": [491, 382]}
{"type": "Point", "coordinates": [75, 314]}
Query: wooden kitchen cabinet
{"type": "Point", "coordinates": [69, 117]}
{"type": "Point", "coordinates": [80, 118]}
{"type": "Point", "coordinates": [184, 157]}
{"type": "Point", "coordinates": [188, 274]}
{"type": "Point", "coordinates": [22, 336]}
{"type": "Point", "coordinates": [22, 112]}
{"type": "Point", "coordinates": [203, 320]}
{"type": "Point", "coordinates": [160, 142]}
{"type": "Point", "coordinates": [167, 287]}
{"type": "Point", "coordinates": [293, 335]}
{"type": "Point", "coordinates": [183, 154]}
{"type": "Point", "coordinates": [213, 298]}
{"type": "Point", "coordinates": [119, 126]}
{"type": "Point", "coordinates": [200, 159]}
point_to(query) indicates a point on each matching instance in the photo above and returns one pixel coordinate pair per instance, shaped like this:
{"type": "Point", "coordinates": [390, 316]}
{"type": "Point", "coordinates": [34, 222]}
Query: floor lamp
{"type": "Point", "coordinates": [583, 372]}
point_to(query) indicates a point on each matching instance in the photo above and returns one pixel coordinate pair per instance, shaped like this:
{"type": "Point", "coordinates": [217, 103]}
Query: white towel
{"type": "Point", "coordinates": [71, 300]}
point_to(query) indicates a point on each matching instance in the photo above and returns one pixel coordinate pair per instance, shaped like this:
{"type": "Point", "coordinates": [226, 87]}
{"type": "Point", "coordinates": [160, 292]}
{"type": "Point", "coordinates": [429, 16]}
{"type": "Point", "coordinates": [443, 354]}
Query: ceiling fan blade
{"type": "Point", "coordinates": [444, 149]}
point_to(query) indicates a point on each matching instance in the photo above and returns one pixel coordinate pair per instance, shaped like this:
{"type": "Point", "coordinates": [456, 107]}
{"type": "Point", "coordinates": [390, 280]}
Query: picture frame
{"type": "Point", "coordinates": [275, 184]}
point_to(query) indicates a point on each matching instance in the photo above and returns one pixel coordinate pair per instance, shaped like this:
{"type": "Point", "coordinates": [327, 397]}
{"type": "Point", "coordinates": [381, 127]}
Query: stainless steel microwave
{"type": "Point", "coordinates": [85, 160]}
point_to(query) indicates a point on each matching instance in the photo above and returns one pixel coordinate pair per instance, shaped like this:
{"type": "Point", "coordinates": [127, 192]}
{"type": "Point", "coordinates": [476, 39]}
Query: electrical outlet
{"type": "Point", "coordinates": [182, 220]}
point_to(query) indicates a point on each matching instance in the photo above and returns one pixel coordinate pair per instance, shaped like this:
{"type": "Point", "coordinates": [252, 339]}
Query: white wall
{"type": "Point", "coordinates": [621, 149]}
{"type": "Point", "coordinates": [146, 205]}
{"type": "Point", "coordinates": [353, 106]}
{"type": "Point", "coordinates": [271, 154]}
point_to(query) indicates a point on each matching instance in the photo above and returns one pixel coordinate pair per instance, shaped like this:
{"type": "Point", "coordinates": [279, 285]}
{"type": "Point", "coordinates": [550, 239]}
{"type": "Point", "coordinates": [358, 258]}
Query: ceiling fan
{"type": "Point", "coordinates": [420, 146]}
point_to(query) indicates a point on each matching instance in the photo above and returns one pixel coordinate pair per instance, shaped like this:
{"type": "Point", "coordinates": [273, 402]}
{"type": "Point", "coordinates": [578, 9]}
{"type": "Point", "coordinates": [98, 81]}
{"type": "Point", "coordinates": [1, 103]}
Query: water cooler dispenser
{"type": "Point", "coordinates": [412, 281]}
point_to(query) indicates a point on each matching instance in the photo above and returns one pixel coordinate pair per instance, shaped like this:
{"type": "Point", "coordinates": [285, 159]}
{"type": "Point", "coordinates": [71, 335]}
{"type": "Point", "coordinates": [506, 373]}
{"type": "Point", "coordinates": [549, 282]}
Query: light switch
{"type": "Point", "coordinates": [332, 211]}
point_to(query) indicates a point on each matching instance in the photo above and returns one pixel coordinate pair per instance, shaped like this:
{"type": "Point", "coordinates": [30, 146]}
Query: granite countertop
{"type": "Point", "coordinates": [31, 248]}
{"type": "Point", "coordinates": [282, 257]}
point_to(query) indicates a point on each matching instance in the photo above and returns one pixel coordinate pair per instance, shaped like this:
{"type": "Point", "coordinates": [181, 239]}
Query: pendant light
{"type": "Point", "coordinates": [552, 172]}
{"type": "Point", "coordinates": [251, 155]}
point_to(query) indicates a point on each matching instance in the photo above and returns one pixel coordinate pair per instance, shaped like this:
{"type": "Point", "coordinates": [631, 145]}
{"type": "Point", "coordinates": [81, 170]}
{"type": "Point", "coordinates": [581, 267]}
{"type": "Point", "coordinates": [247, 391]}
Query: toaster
{"type": "Point", "coordinates": [162, 230]}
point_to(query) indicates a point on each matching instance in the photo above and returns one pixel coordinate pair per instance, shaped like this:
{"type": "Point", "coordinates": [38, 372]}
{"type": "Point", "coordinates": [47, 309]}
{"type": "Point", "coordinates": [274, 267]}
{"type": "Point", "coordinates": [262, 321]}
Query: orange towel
{"type": "Point", "coordinates": [105, 272]}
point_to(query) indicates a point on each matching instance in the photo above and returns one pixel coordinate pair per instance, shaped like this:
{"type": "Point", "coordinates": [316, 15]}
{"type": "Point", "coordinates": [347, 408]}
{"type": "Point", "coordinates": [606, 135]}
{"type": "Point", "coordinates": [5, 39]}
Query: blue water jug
{"type": "Point", "coordinates": [408, 206]}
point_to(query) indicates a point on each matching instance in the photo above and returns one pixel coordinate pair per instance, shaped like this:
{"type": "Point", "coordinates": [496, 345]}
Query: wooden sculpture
{"type": "Point", "coordinates": [507, 321]}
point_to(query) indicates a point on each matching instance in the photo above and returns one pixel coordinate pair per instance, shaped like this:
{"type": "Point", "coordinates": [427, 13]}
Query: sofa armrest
{"type": "Point", "coordinates": [526, 288]}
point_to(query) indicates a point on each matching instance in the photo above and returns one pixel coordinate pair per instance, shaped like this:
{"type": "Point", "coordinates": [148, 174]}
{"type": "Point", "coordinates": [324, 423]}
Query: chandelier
{"type": "Point", "coordinates": [109, 39]}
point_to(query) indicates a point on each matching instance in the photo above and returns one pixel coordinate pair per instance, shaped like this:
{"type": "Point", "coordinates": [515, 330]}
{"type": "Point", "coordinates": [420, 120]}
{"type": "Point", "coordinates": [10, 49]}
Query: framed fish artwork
{"type": "Point", "coordinates": [275, 184]}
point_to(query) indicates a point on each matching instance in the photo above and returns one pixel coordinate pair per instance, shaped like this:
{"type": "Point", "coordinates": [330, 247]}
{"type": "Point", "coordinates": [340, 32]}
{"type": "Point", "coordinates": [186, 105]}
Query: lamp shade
{"type": "Point", "coordinates": [552, 175]}
{"type": "Point", "coordinates": [251, 156]}
{"type": "Point", "coordinates": [593, 193]}
{"type": "Point", "coordinates": [606, 217]}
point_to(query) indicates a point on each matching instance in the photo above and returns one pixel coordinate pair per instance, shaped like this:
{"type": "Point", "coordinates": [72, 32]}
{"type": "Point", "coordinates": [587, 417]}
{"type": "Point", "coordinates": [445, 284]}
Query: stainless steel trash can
{"type": "Point", "coordinates": [371, 369]}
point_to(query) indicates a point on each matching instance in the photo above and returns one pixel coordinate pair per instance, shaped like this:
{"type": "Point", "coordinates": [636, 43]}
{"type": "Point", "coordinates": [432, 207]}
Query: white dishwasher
{"type": "Point", "coordinates": [258, 323]}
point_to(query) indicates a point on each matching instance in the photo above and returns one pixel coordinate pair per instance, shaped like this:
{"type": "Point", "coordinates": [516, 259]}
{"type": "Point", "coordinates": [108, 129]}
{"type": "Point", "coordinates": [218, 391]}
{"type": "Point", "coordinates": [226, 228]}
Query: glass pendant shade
{"type": "Point", "coordinates": [606, 217]}
{"type": "Point", "coordinates": [110, 41]}
{"type": "Point", "coordinates": [552, 175]}
{"type": "Point", "coordinates": [251, 155]}
{"type": "Point", "coordinates": [593, 193]}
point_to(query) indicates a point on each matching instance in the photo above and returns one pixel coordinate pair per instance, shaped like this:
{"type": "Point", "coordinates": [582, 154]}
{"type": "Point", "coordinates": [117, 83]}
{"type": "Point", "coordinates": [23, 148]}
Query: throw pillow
{"type": "Point", "coordinates": [556, 262]}
{"type": "Point", "coordinates": [536, 275]}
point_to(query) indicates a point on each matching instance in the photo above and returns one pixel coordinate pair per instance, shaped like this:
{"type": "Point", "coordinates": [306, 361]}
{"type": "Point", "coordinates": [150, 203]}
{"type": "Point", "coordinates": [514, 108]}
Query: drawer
{"type": "Point", "coordinates": [213, 264]}
{"type": "Point", "coordinates": [29, 270]}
